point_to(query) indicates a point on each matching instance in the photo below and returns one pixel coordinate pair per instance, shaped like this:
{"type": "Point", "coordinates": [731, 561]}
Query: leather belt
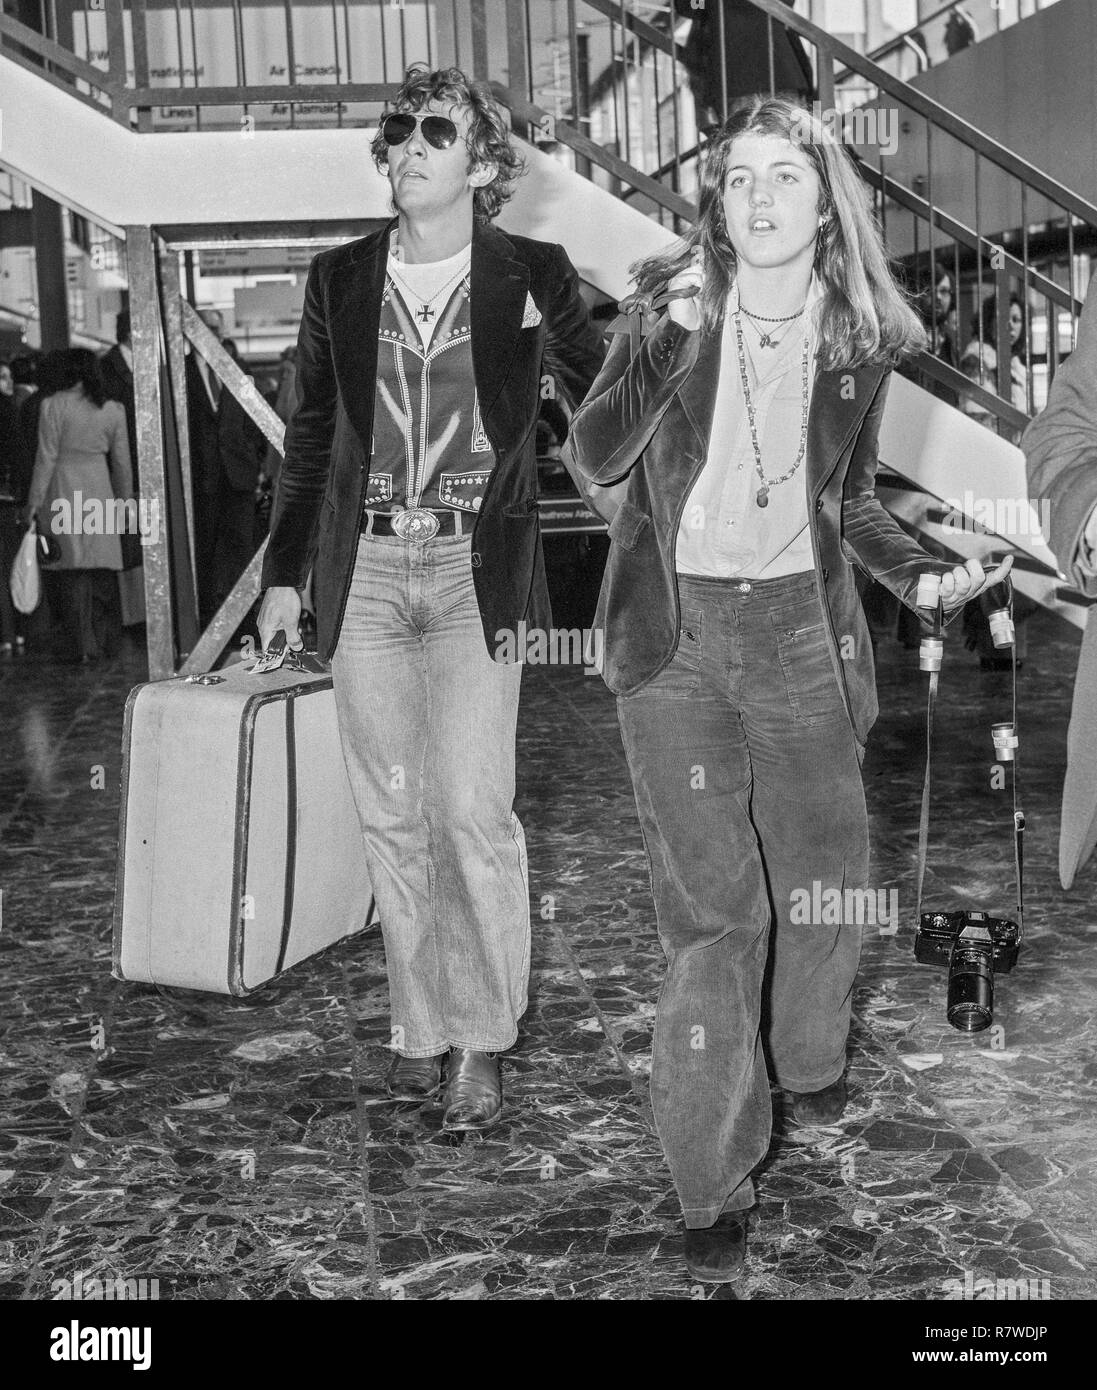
{"type": "Point", "coordinates": [413, 524]}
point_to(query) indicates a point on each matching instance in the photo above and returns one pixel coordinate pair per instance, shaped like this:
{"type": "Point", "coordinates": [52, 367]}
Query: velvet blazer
{"type": "Point", "coordinates": [645, 428]}
{"type": "Point", "coordinates": [321, 486]}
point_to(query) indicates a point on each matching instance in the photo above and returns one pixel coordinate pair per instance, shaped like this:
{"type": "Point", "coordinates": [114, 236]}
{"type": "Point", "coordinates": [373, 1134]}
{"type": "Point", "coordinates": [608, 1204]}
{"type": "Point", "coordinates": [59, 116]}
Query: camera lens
{"type": "Point", "coordinates": [1004, 737]}
{"type": "Point", "coordinates": [1001, 627]}
{"type": "Point", "coordinates": [930, 651]}
{"type": "Point", "coordinates": [971, 991]}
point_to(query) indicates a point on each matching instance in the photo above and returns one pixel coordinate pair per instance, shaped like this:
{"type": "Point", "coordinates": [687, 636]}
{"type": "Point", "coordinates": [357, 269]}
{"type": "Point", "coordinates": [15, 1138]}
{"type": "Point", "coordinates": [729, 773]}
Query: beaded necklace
{"type": "Point", "coordinates": [761, 497]}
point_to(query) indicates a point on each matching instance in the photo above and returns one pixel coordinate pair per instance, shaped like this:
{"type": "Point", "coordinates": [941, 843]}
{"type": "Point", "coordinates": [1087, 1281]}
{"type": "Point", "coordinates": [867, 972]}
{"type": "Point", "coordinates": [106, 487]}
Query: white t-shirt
{"type": "Point", "coordinates": [430, 283]}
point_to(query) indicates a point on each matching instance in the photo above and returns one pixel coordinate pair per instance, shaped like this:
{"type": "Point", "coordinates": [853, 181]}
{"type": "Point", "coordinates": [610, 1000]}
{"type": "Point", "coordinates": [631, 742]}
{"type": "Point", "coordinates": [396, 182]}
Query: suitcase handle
{"type": "Point", "coordinates": [306, 661]}
{"type": "Point", "coordinates": [294, 661]}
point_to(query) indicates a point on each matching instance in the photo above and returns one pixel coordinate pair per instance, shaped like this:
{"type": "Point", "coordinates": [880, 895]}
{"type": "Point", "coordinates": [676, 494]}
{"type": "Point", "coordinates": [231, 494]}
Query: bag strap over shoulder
{"type": "Point", "coordinates": [639, 313]}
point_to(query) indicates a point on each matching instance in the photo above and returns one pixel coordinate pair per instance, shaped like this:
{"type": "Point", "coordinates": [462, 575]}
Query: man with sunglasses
{"type": "Point", "coordinates": [410, 476]}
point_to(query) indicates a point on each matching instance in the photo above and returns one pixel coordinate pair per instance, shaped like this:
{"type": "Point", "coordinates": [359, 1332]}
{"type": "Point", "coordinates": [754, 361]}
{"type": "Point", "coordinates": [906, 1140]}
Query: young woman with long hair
{"type": "Point", "coordinates": [743, 437]}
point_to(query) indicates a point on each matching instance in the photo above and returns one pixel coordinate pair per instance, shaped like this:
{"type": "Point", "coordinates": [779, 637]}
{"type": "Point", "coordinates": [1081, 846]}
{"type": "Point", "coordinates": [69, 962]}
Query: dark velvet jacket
{"type": "Point", "coordinates": [321, 486]}
{"type": "Point", "coordinates": [645, 426]}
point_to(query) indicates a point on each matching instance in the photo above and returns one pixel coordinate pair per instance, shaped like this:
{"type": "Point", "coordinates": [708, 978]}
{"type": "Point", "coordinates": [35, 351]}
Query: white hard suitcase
{"type": "Point", "coordinates": [240, 852]}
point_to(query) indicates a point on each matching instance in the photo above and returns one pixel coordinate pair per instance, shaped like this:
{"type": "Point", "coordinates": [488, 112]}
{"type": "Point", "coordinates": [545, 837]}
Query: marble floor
{"type": "Point", "coordinates": [246, 1150]}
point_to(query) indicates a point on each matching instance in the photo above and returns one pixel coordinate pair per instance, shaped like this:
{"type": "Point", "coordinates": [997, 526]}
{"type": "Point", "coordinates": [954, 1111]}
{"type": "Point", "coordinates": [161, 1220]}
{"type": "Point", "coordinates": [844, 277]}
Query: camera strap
{"type": "Point", "coordinates": [1018, 813]}
{"type": "Point", "coordinates": [923, 819]}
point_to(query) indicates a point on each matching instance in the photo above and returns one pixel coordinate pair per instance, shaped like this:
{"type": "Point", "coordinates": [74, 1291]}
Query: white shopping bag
{"type": "Point", "coordinates": [26, 578]}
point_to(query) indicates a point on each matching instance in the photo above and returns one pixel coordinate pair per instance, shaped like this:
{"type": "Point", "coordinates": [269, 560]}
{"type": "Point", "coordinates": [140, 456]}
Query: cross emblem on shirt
{"type": "Point", "coordinates": [424, 313]}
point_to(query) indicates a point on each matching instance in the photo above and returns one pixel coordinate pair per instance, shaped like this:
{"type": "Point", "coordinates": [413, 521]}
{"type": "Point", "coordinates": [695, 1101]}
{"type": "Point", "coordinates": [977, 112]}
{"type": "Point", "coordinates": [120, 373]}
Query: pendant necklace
{"type": "Point", "coordinates": [425, 313]}
{"type": "Point", "coordinates": [761, 497]}
{"type": "Point", "coordinates": [767, 339]}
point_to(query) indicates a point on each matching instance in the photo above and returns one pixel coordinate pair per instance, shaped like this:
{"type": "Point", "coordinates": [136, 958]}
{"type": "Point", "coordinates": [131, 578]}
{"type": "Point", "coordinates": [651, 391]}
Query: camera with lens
{"type": "Point", "coordinates": [973, 946]}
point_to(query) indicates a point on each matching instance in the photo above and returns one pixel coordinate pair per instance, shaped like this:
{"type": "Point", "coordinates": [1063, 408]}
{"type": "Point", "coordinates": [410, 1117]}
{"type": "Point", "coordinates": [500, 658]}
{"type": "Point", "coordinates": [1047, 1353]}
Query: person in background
{"type": "Point", "coordinates": [82, 465]}
{"type": "Point", "coordinates": [14, 480]}
{"type": "Point", "coordinates": [213, 498]}
{"type": "Point", "coordinates": [116, 371]}
{"type": "Point", "coordinates": [242, 445]}
{"type": "Point", "coordinates": [37, 376]}
{"type": "Point", "coordinates": [744, 56]}
{"type": "Point", "coordinates": [284, 405]}
{"type": "Point", "coordinates": [960, 31]}
{"type": "Point", "coordinates": [980, 362]}
{"type": "Point", "coordinates": [36, 379]}
{"type": "Point", "coordinates": [937, 307]}
{"type": "Point", "coordinates": [24, 371]}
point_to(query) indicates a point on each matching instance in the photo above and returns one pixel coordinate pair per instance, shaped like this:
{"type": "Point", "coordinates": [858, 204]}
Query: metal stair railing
{"type": "Point", "coordinates": [999, 256]}
{"type": "Point", "coordinates": [642, 51]}
{"type": "Point", "coordinates": [110, 89]}
{"type": "Point", "coordinates": [907, 41]}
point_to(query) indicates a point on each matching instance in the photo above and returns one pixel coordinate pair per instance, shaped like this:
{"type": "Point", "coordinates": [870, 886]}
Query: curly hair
{"type": "Point", "coordinates": [864, 317]}
{"type": "Point", "coordinates": [487, 142]}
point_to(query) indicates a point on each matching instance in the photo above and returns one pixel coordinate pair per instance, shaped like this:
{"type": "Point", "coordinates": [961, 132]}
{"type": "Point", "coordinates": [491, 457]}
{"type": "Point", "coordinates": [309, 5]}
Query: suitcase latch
{"type": "Point", "coordinates": [207, 679]}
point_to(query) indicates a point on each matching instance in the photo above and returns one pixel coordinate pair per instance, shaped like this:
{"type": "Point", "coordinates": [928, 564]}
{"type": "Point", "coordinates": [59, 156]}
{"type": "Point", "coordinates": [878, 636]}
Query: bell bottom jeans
{"type": "Point", "coordinates": [748, 786]}
{"type": "Point", "coordinates": [427, 722]}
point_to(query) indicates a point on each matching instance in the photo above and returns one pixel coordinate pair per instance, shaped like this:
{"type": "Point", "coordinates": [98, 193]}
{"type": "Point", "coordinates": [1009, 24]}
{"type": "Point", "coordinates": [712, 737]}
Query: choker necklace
{"type": "Point", "coordinates": [767, 340]}
{"type": "Point", "coordinates": [761, 497]}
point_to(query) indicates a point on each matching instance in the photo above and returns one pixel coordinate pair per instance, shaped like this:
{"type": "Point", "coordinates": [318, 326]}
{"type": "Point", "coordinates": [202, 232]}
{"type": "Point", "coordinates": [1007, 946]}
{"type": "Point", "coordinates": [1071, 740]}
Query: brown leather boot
{"type": "Point", "coordinates": [819, 1107]}
{"type": "Point", "coordinates": [414, 1078]}
{"type": "Point", "coordinates": [715, 1254]}
{"type": "Point", "coordinates": [473, 1097]}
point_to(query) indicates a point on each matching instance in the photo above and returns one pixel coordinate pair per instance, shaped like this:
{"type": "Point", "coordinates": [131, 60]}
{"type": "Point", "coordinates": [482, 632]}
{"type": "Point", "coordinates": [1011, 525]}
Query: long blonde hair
{"type": "Point", "coordinates": [864, 318]}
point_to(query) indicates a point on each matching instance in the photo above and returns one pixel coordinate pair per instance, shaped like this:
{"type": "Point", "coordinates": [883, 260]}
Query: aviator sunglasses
{"type": "Point", "coordinates": [438, 131]}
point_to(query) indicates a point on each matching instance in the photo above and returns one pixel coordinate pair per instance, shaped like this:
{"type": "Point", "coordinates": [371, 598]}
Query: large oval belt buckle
{"type": "Point", "coordinates": [416, 524]}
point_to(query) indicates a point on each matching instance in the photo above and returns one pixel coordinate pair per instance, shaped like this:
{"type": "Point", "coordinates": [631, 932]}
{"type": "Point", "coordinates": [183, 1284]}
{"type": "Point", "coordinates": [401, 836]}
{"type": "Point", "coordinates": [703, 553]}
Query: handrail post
{"type": "Point", "coordinates": [518, 64]}
{"type": "Point", "coordinates": [478, 21]}
{"type": "Point", "coordinates": [177, 377]}
{"type": "Point", "coordinates": [139, 29]}
{"type": "Point", "coordinates": [824, 79]}
{"type": "Point", "coordinates": [116, 60]}
{"type": "Point", "coordinates": [145, 330]}
{"type": "Point", "coordinates": [1003, 348]}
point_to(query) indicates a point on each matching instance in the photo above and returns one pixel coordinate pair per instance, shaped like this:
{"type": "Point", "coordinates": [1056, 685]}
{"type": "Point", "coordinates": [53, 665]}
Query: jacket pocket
{"type": "Point", "coordinates": [628, 525]}
{"type": "Point", "coordinates": [378, 488]}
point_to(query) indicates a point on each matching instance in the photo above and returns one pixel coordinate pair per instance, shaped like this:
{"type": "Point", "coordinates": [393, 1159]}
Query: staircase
{"type": "Point", "coordinates": [175, 162]}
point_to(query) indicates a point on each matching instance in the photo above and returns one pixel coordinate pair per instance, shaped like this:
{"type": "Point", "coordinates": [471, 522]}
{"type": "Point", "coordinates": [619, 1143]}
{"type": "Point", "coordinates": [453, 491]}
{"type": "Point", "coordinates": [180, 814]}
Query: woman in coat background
{"type": "Point", "coordinates": [14, 479]}
{"type": "Point", "coordinates": [81, 466]}
{"type": "Point", "coordinates": [746, 427]}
